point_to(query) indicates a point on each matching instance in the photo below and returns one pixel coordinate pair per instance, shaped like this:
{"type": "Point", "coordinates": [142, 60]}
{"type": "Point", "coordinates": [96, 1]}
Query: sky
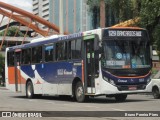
{"type": "Point", "coordinates": [23, 4]}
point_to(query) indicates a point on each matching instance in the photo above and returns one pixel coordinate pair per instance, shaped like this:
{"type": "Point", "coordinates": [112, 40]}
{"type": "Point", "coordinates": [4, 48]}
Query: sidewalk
{"type": "Point", "coordinates": [3, 88]}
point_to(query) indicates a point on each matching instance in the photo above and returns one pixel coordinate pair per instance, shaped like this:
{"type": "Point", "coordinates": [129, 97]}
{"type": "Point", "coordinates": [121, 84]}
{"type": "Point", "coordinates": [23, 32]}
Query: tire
{"type": "Point", "coordinates": [29, 90]}
{"type": "Point", "coordinates": [79, 92]}
{"type": "Point", "coordinates": [121, 97]}
{"type": "Point", "coordinates": [156, 93]}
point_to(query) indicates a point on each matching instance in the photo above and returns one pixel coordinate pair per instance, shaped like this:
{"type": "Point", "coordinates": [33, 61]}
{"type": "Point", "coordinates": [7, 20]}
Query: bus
{"type": "Point", "coordinates": [113, 62]}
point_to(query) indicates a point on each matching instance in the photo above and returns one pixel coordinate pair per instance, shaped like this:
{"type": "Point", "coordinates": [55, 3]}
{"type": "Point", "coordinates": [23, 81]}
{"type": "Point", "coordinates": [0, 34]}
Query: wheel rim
{"type": "Point", "coordinates": [29, 89]}
{"type": "Point", "coordinates": [79, 92]}
{"type": "Point", "coordinates": [156, 93]}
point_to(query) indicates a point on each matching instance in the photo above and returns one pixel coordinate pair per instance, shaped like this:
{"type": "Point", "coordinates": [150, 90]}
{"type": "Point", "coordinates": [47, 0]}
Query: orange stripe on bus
{"type": "Point", "coordinates": [137, 28]}
{"type": "Point", "coordinates": [11, 76]}
{"type": "Point", "coordinates": [38, 82]}
{"type": "Point", "coordinates": [132, 77]}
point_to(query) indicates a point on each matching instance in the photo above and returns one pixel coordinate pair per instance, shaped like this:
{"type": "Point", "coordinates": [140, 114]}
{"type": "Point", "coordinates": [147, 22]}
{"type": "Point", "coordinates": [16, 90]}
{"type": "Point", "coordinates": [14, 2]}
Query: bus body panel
{"type": "Point", "coordinates": [48, 78]}
{"type": "Point", "coordinates": [56, 77]}
{"type": "Point", "coordinates": [105, 88]}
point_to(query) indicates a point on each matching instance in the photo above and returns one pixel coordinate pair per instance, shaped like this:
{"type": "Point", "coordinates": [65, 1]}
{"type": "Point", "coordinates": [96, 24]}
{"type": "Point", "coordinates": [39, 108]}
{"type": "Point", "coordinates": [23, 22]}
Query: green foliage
{"type": "Point", "coordinates": [93, 3]}
{"type": "Point", "coordinates": [150, 11]}
{"type": "Point", "coordinates": [150, 19]}
{"type": "Point", "coordinates": [122, 9]}
{"type": "Point", "coordinates": [147, 10]}
{"type": "Point", "coordinates": [156, 37]}
{"type": "Point", "coordinates": [11, 32]}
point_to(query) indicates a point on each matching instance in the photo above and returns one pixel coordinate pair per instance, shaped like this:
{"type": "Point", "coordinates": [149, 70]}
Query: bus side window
{"type": "Point", "coordinates": [10, 58]}
{"type": "Point", "coordinates": [26, 57]}
{"type": "Point", "coordinates": [61, 51]}
{"type": "Point", "coordinates": [74, 50]}
{"type": "Point", "coordinates": [49, 52]}
{"type": "Point", "coordinates": [37, 54]}
{"type": "Point", "coordinates": [69, 50]}
{"type": "Point", "coordinates": [78, 49]}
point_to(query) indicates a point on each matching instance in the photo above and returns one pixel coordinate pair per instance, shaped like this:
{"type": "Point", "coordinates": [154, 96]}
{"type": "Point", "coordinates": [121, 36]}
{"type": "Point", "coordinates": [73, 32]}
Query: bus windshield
{"type": "Point", "coordinates": [126, 54]}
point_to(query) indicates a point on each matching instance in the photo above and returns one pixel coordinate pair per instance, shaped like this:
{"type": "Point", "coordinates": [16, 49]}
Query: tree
{"type": "Point", "coordinates": [11, 32]}
{"type": "Point", "coordinates": [94, 8]}
{"type": "Point", "coordinates": [102, 14]}
{"type": "Point", "coordinates": [150, 19]}
{"type": "Point", "coordinates": [147, 10]}
{"type": "Point", "coordinates": [116, 10]}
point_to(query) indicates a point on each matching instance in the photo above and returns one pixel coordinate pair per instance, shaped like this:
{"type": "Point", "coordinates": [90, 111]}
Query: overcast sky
{"type": "Point", "coordinates": [23, 4]}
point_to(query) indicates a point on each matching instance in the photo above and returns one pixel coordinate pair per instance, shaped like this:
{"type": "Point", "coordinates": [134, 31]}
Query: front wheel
{"type": "Point", "coordinates": [79, 92]}
{"type": "Point", "coordinates": [155, 93]}
{"type": "Point", "coordinates": [121, 97]}
{"type": "Point", "coordinates": [29, 90]}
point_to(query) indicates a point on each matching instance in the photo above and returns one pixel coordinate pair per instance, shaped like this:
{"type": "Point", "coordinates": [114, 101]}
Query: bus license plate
{"type": "Point", "coordinates": [132, 88]}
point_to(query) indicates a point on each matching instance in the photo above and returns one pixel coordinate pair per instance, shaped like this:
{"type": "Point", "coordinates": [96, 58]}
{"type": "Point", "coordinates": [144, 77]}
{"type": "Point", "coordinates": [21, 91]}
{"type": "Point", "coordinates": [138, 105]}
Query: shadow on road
{"type": "Point", "coordinates": [99, 100]}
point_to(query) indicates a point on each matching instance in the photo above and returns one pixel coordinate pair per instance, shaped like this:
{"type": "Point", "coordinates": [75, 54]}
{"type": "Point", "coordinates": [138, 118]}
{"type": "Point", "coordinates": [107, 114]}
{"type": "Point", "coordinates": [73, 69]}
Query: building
{"type": "Point", "coordinates": [75, 13]}
{"type": "Point", "coordinates": [41, 8]}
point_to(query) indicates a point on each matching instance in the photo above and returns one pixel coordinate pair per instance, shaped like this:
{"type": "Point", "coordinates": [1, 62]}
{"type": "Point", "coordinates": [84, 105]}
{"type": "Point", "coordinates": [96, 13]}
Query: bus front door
{"type": "Point", "coordinates": [89, 57]}
{"type": "Point", "coordinates": [17, 71]}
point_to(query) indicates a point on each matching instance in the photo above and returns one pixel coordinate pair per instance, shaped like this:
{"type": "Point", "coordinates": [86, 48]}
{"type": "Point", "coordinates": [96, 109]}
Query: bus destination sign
{"type": "Point", "coordinates": [124, 33]}
{"type": "Point", "coordinates": [121, 33]}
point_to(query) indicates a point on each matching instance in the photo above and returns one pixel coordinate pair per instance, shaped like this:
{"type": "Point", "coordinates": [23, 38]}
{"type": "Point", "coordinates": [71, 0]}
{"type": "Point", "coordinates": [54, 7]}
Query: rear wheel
{"type": "Point", "coordinates": [155, 93]}
{"type": "Point", "coordinates": [29, 90]}
{"type": "Point", "coordinates": [79, 92]}
{"type": "Point", "coordinates": [121, 97]}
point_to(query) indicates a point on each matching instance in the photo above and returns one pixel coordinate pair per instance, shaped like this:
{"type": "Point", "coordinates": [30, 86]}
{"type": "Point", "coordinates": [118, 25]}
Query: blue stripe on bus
{"type": "Point", "coordinates": [126, 81]}
{"type": "Point", "coordinates": [58, 72]}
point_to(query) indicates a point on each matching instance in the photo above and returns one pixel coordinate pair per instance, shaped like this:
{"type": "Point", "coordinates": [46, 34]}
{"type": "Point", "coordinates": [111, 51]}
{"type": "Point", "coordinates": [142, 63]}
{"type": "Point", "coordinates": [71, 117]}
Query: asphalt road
{"type": "Point", "coordinates": [10, 101]}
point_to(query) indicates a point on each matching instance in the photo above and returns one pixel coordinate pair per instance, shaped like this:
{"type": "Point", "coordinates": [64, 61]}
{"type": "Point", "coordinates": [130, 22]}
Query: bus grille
{"type": "Point", "coordinates": [130, 87]}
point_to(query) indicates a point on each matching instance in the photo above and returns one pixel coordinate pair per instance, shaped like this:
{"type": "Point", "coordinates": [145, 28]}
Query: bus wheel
{"type": "Point", "coordinates": [29, 90]}
{"type": "Point", "coordinates": [79, 92]}
{"type": "Point", "coordinates": [121, 97]}
{"type": "Point", "coordinates": [155, 93]}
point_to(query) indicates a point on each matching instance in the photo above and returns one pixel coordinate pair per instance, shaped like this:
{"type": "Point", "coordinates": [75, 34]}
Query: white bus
{"type": "Point", "coordinates": [110, 61]}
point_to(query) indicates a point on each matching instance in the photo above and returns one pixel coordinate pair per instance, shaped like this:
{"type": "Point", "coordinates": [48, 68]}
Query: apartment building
{"type": "Point", "coordinates": [76, 16]}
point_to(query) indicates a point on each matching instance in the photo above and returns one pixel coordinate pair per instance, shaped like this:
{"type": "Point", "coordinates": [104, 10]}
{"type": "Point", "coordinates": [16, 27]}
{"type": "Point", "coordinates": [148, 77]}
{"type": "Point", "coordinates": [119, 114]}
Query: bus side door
{"type": "Point", "coordinates": [91, 63]}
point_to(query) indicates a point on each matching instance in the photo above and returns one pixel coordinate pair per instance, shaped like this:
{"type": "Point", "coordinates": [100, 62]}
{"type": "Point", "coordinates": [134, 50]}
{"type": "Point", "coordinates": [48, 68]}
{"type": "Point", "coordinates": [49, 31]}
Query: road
{"type": "Point", "coordinates": [10, 101]}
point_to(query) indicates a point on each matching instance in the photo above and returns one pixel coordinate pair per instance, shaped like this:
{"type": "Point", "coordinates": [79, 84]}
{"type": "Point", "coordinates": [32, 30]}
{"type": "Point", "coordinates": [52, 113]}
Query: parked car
{"type": "Point", "coordinates": [156, 88]}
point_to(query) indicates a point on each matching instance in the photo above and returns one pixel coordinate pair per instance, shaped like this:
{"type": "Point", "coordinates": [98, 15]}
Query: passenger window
{"type": "Point", "coordinates": [61, 51]}
{"type": "Point", "coordinates": [74, 49]}
{"type": "Point", "coordinates": [10, 60]}
{"type": "Point", "coordinates": [26, 56]}
{"type": "Point", "coordinates": [37, 54]}
{"type": "Point", "coordinates": [49, 53]}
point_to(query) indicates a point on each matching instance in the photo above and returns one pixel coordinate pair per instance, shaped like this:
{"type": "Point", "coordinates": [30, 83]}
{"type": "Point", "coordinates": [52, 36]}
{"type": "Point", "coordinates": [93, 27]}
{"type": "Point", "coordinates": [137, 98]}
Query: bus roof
{"type": "Point", "coordinates": [45, 40]}
{"type": "Point", "coordinates": [55, 38]}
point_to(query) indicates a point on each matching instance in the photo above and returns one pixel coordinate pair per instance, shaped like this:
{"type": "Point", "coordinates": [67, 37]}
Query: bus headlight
{"type": "Point", "coordinates": [148, 80]}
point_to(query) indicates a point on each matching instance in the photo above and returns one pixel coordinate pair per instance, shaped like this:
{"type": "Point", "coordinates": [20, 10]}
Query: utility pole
{"type": "Point", "coordinates": [102, 14]}
{"type": "Point", "coordinates": [61, 17]}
